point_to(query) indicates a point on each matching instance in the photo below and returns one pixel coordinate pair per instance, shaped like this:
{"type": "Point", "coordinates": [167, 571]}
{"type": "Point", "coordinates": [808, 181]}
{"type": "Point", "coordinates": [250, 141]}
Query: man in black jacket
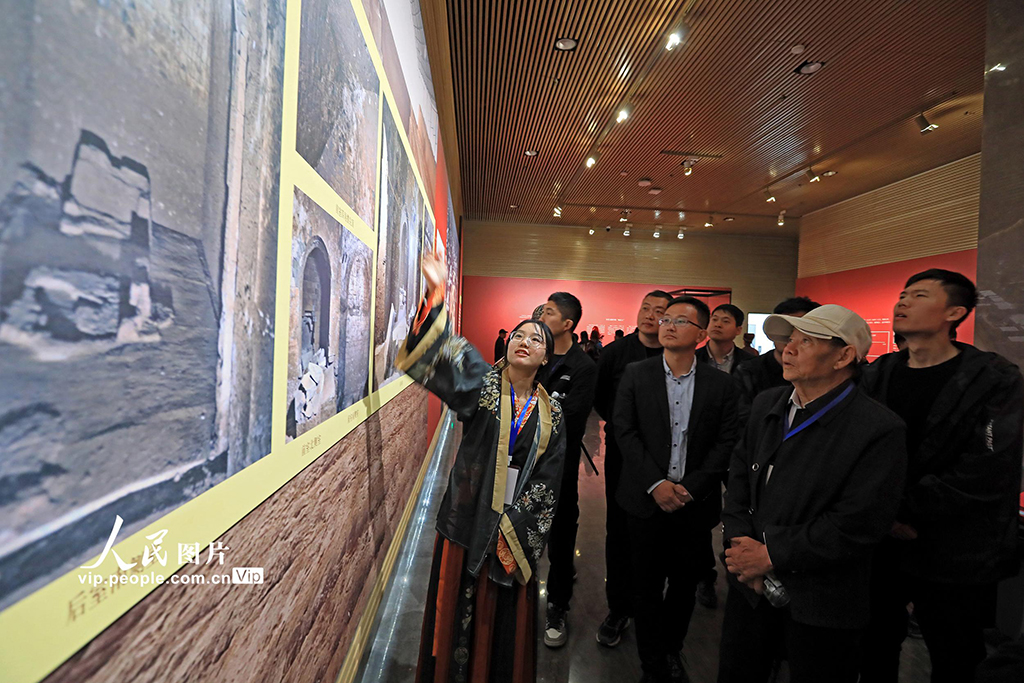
{"type": "Point", "coordinates": [765, 371]}
{"type": "Point", "coordinates": [635, 347]}
{"type": "Point", "coordinates": [813, 487]}
{"type": "Point", "coordinates": [499, 345]}
{"type": "Point", "coordinates": [570, 380]}
{"type": "Point", "coordinates": [955, 534]}
{"type": "Point", "coordinates": [675, 422]}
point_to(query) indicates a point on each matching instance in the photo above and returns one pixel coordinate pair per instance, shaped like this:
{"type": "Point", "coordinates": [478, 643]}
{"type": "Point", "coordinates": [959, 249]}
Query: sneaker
{"type": "Point", "coordinates": [706, 594]}
{"type": "Point", "coordinates": [556, 631]}
{"type": "Point", "coordinates": [676, 670]}
{"type": "Point", "coordinates": [610, 632]}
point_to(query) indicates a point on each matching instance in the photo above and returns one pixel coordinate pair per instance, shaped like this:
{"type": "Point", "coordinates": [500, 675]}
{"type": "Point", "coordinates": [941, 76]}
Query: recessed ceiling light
{"type": "Point", "coordinates": [566, 44]}
{"type": "Point", "coordinates": [530, 152]}
{"type": "Point", "coordinates": [591, 231]}
{"type": "Point", "coordinates": [654, 191]}
{"type": "Point", "coordinates": [624, 173]}
{"type": "Point", "coordinates": [796, 50]}
{"type": "Point", "coordinates": [622, 115]}
{"type": "Point", "coordinates": [513, 206]}
{"type": "Point", "coordinates": [657, 213]}
{"type": "Point", "coordinates": [808, 68]}
{"type": "Point", "coordinates": [829, 174]}
{"type": "Point", "coordinates": [644, 182]}
{"type": "Point", "coordinates": [729, 219]}
{"type": "Point", "coordinates": [682, 215]}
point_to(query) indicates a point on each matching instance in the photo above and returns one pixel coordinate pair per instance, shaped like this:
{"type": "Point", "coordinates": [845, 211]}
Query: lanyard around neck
{"type": "Point", "coordinates": [814, 418]}
{"type": "Point", "coordinates": [520, 420]}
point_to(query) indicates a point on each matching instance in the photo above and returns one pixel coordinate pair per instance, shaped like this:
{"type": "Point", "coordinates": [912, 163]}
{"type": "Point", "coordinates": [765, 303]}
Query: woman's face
{"type": "Point", "coordinates": [526, 348]}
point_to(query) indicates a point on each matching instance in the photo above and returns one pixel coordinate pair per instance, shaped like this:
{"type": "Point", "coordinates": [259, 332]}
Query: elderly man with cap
{"type": "Point", "coordinates": [814, 485]}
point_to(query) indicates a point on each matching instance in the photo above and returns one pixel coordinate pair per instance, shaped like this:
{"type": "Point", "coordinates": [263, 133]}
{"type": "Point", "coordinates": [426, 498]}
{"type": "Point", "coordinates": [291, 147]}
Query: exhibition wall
{"type": "Point", "coordinates": [211, 222]}
{"type": "Point", "coordinates": [501, 302]}
{"type": "Point", "coordinates": [860, 252]}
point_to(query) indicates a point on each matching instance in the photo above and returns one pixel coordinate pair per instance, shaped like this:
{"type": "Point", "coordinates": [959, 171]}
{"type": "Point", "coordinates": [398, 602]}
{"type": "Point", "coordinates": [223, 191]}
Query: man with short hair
{"type": "Point", "coordinates": [722, 354]}
{"type": "Point", "coordinates": [570, 380]}
{"type": "Point", "coordinates": [813, 487]}
{"type": "Point", "coordinates": [638, 346]}
{"type": "Point", "coordinates": [748, 344]}
{"type": "Point", "coordinates": [499, 345]}
{"type": "Point", "coordinates": [955, 533]}
{"type": "Point", "coordinates": [765, 371]}
{"type": "Point", "coordinates": [721, 351]}
{"type": "Point", "coordinates": [675, 422]}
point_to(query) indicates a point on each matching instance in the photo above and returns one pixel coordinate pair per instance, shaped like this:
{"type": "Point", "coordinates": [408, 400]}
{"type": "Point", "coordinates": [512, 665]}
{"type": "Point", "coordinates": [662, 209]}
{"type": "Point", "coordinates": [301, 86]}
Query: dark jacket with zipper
{"type": "Point", "coordinates": [644, 434]}
{"type": "Point", "coordinates": [963, 483]}
{"type": "Point", "coordinates": [820, 500]}
{"type": "Point", "coordinates": [739, 357]}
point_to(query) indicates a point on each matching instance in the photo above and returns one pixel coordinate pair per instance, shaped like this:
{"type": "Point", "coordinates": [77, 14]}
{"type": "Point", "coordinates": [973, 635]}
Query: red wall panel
{"type": "Point", "coordinates": [872, 292]}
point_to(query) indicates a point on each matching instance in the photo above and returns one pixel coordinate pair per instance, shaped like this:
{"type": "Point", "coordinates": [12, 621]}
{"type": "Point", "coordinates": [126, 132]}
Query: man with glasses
{"type": "Point", "coordinates": [637, 346]}
{"type": "Point", "coordinates": [570, 380]}
{"type": "Point", "coordinates": [676, 423]}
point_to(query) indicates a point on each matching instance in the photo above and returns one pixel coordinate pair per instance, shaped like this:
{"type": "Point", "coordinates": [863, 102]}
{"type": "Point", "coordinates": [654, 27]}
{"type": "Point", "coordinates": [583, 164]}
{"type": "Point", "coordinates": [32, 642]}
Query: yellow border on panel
{"type": "Point", "coordinates": [41, 631]}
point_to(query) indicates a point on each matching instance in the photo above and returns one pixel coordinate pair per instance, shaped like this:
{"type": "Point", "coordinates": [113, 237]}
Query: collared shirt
{"type": "Point", "coordinates": [795, 404]}
{"type": "Point", "coordinates": [680, 401]}
{"type": "Point", "coordinates": [727, 361]}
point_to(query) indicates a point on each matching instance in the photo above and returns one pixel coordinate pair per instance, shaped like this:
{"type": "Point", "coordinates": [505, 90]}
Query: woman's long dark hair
{"type": "Point", "coordinates": [549, 343]}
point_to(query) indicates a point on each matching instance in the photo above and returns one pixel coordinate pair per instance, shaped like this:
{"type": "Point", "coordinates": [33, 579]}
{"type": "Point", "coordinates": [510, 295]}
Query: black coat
{"type": "Point", "coordinates": [758, 374]}
{"type": "Point", "coordinates": [831, 497]}
{"type": "Point", "coordinates": [644, 436]}
{"type": "Point", "coordinates": [571, 383]}
{"type": "Point", "coordinates": [963, 482]}
{"type": "Point", "coordinates": [739, 357]}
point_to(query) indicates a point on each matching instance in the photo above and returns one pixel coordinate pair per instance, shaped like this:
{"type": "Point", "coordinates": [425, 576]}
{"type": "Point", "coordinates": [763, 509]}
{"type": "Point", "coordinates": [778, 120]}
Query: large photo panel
{"type": "Point", "coordinates": [339, 103]}
{"type": "Point", "coordinates": [329, 318]}
{"type": "Point", "coordinates": [138, 235]}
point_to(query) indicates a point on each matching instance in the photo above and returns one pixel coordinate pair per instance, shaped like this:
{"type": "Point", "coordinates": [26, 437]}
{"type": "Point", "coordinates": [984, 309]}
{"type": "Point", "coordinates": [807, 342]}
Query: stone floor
{"type": "Point", "coordinates": [392, 656]}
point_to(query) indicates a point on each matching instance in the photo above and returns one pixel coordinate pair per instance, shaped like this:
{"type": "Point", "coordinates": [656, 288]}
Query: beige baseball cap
{"type": "Point", "coordinates": [824, 322]}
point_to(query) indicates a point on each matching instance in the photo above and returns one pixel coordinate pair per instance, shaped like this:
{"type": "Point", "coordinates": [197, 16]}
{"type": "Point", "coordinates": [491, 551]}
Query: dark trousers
{"type": "Point", "coordinates": [710, 573]}
{"type": "Point", "coordinates": [666, 546]}
{"type": "Point", "coordinates": [562, 540]}
{"type": "Point", "coordinates": [952, 618]}
{"type": "Point", "coordinates": [754, 637]}
{"type": "Point", "coordinates": [618, 573]}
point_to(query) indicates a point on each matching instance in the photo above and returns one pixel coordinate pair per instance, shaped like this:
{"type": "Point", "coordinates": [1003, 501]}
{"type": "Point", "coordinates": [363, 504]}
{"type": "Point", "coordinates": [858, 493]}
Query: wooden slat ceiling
{"type": "Point", "coordinates": [729, 92]}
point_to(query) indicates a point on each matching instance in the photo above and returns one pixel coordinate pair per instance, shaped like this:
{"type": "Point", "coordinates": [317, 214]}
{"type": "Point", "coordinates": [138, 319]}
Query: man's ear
{"type": "Point", "coordinates": [954, 313]}
{"type": "Point", "coordinates": [848, 357]}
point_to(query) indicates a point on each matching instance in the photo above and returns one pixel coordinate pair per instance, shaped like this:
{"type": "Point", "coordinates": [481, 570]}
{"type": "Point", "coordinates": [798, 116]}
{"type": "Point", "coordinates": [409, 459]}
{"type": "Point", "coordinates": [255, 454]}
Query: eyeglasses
{"type": "Point", "coordinates": [678, 322]}
{"type": "Point", "coordinates": [534, 340]}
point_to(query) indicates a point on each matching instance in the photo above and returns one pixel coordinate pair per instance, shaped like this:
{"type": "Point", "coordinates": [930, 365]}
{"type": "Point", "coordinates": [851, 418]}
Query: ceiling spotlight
{"type": "Point", "coordinates": [566, 44]}
{"type": "Point", "coordinates": [657, 213]}
{"type": "Point", "coordinates": [622, 115]}
{"type": "Point", "coordinates": [657, 232]}
{"type": "Point", "coordinates": [644, 182]}
{"type": "Point", "coordinates": [625, 233]}
{"type": "Point", "coordinates": [558, 212]}
{"type": "Point", "coordinates": [591, 231]}
{"type": "Point", "coordinates": [513, 206]}
{"type": "Point", "coordinates": [710, 222]}
{"type": "Point", "coordinates": [782, 217]}
{"type": "Point", "coordinates": [812, 176]}
{"type": "Point", "coordinates": [729, 219]}
{"type": "Point", "coordinates": [768, 196]}
{"type": "Point", "coordinates": [592, 159]}
{"type": "Point", "coordinates": [624, 215]}
{"type": "Point", "coordinates": [680, 235]}
{"type": "Point", "coordinates": [829, 174]}
{"type": "Point", "coordinates": [688, 166]}
{"type": "Point", "coordinates": [530, 152]}
{"type": "Point", "coordinates": [808, 68]}
{"type": "Point", "coordinates": [924, 126]}
{"type": "Point", "coordinates": [682, 215]}
{"type": "Point", "coordinates": [654, 191]}
{"type": "Point", "coordinates": [675, 39]}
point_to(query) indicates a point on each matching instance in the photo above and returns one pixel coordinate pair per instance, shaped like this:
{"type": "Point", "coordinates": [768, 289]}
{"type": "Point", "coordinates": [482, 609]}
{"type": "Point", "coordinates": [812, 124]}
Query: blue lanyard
{"type": "Point", "coordinates": [517, 425]}
{"type": "Point", "coordinates": [814, 418]}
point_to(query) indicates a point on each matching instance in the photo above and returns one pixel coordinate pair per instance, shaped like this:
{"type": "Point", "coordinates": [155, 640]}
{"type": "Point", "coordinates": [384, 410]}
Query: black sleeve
{"type": "Point", "coordinates": [577, 405]}
{"type": "Point", "coordinates": [635, 456]}
{"type": "Point", "coordinates": [604, 390]}
{"type": "Point", "coordinates": [708, 479]}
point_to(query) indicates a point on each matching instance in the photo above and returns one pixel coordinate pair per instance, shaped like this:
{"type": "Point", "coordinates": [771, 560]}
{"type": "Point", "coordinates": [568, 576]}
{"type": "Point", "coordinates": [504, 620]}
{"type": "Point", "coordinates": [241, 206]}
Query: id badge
{"type": "Point", "coordinates": [511, 479]}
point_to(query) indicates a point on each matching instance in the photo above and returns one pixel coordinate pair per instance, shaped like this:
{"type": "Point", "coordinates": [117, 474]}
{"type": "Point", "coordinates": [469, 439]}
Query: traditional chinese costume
{"type": "Point", "coordinates": [480, 620]}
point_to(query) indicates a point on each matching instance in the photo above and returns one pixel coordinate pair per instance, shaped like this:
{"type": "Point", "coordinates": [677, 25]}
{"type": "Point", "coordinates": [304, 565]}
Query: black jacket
{"type": "Point", "coordinates": [644, 436]}
{"type": "Point", "coordinates": [830, 498]}
{"type": "Point", "coordinates": [500, 345]}
{"type": "Point", "coordinates": [610, 367]}
{"type": "Point", "coordinates": [757, 375]}
{"type": "Point", "coordinates": [963, 482]}
{"type": "Point", "coordinates": [739, 357]}
{"type": "Point", "coordinates": [571, 383]}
